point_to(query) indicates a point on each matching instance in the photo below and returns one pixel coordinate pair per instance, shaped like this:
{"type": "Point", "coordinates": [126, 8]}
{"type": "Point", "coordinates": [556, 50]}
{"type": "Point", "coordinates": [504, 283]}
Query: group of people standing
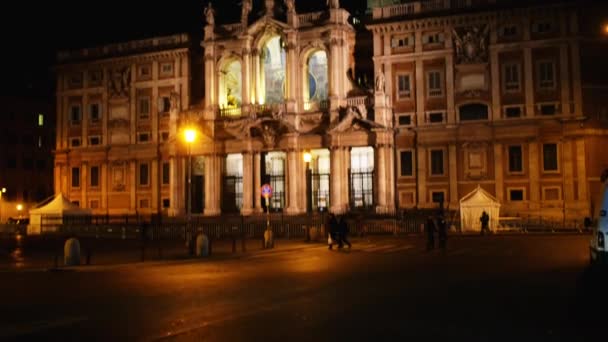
{"type": "Point", "coordinates": [338, 231]}
{"type": "Point", "coordinates": [436, 223]}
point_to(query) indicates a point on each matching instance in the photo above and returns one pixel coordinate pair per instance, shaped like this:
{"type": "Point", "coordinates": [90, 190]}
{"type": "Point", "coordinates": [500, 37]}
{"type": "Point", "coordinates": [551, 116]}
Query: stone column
{"type": "Point", "coordinates": [85, 122]}
{"type": "Point", "coordinates": [568, 173]}
{"type": "Point", "coordinates": [65, 123]}
{"type": "Point", "coordinates": [534, 196]}
{"type": "Point", "coordinates": [104, 186]}
{"type": "Point", "coordinates": [422, 172]}
{"type": "Point", "coordinates": [564, 75]}
{"type": "Point", "coordinates": [581, 173]}
{"type": "Point", "coordinates": [292, 73]}
{"type": "Point", "coordinates": [337, 182]}
{"type": "Point", "coordinates": [453, 169]}
{"type": "Point", "coordinates": [381, 179]}
{"type": "Point", "coordinates": [499, 172]}
{"type": "Point", "coordinates": [133, 108]}
{"type": "Point", "coordinates": [257, 182]}
{"type": "Point", "coordinates": [420, 105]}
{"type": "Point", "coordinates": [213, 185]}
{"type": "Point", "coordinates": [154, 113]}
{"type": "Point", "coordinates": [495, 83]}
{"type": "Point", "coordinates": [65, 185]}
{"type": "Point", "coordinates": [133, 186]}
{"type": "Point", "coordinates": [258, 97]}
{"type": "Point", "coordinates": [292, 183]}
{"type": "Point", "coordinates": [173, 186]}
{"type": "Point", "coordinates": [155, 185]}
{"type": "Point", "coordinates": [529, 81]}
{"type": "Point", "coordinates": [210, 84]}
{"type": "Point", "coordinates": [247, 183]}
{"type": "Point", "coordinates": [576, 79]}
{"type": "Point", "coordinates": [449, 86]}
{"type": "Point", "coordinates": [60, 117]}
{"type": "Point", "coordinates": [246, 73]}
{"type": "Point", "coordinates": [57, 178]}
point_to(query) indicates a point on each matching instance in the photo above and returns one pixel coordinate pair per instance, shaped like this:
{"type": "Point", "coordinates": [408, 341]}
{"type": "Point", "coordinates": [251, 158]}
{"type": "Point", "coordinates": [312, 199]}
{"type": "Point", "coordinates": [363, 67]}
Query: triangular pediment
{"type": "Point", "coordinates": [267, 24]}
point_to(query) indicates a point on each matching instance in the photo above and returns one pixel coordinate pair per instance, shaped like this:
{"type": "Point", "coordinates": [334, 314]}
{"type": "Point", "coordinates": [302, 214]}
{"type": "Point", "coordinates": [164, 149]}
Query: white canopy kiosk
{"type": "Point", "coordinates": [56, 208]}
{"type": "Point", "coordinates": [473, 205]}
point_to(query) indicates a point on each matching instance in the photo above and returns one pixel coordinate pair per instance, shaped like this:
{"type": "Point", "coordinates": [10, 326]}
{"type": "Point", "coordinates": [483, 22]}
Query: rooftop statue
{"type": "Point", "coordinates": [210, 14]}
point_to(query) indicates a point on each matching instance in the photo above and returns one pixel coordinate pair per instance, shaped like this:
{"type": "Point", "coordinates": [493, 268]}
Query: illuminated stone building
{"type": "Point", "coordinates": [276, 86]}
{"type": "Point", "coordinates": [500, 94]}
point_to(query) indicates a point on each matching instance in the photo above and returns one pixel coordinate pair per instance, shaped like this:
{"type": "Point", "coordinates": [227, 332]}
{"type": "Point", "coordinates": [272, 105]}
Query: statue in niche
{"type": "Point", "coordinates": [472, 47]}
{"type": "Point", "coordinates": [290, 4]}
{"type": "Point", "coordinates": [245, 10]}
{"type": "Point", "coordinates": [380, 81]}
{"type": "Point", "coordinates": [210, 14]}
{"type": "Point", "coordinates": [269, 134]}
{"type": "Point", "coordinates": [119, 82]}
{"type": "Point", "coordinates": [174, 100]}
{"type": "Point", "coordinates": [333, 3]}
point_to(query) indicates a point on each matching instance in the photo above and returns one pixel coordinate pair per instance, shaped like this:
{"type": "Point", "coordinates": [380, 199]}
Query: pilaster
{"type": "Point", "coordinates": [422, 172]}
{"type": "Point", "coordinates": [534, 176]}
{"type": "Point", "coordinates": [248, 175]}
{"type": "Point", "coordinates": [499, 172]}
{"type": "Point", "coordinates": [453, 169]}
{"type": "Point", "coordinates": [529, 81]}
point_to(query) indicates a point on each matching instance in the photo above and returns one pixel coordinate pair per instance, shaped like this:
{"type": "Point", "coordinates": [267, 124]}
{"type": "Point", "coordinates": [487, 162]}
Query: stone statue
{"type": "Point", "coordinates": [119, 82]}
{"type": "Point", "coordinates": [380, 81]}
{"type": "Point", "coordinates": [245, 10]}
{"type": "Point", "coordinates": [210, 14]}
{"type": "Point", "coordinates": [333, 3]}
{"type": "Point", "coordinates": [269, 134]}
{"type": "Point", "coordinates": [174, 100]}
{"type": "Point", "coordinates": [472, 47]}
{"type": "Point", "coordinates": [290, 4]}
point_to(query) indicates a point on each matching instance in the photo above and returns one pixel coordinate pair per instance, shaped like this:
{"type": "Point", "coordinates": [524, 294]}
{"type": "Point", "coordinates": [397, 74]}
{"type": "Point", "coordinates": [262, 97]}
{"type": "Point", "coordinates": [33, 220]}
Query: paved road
{"type": "Point", "coordinates": [499, 288]}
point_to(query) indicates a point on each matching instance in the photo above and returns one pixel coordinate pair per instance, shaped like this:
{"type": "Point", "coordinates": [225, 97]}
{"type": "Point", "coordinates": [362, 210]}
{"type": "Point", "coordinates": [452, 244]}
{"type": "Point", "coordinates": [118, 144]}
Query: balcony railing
{"type": "Point", "coordinates": [358, 101]}
{"type": "Point", "coordinates": [418, 7]}
{"type": "Point", "coordinates": [228, 112]}
{"type": "Point", "coordinates": [233, 28]}
{"type": "Point", "coordinates": [308, 19]}
{"type": "Point", "coordinates": [316, 106]}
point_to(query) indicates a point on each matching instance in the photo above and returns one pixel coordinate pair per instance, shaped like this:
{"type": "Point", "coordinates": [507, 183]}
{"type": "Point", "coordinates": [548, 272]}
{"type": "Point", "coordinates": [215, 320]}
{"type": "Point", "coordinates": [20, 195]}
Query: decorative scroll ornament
{"type": "Point", "coordinates": [119, 82]}
{"type": "Point", "coordinates": [472, 47]}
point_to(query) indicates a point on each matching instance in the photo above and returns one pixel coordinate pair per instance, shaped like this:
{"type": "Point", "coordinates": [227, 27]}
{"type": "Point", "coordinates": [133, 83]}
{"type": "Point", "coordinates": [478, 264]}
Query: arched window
{"type": "Point", "coordinates": [317, 84]}
{"type": "Point", "coordinates": [274, 66]}
{"type": "Point", "coordinates": [231, 96]}
{"type": "Point", "coordinates": [473, 111]}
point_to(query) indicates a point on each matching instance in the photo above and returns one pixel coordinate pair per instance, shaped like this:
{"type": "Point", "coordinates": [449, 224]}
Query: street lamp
{"type": "Point", "coordinates": [19, 208]}
{"type": "Point", "coordinates": [2, 191]}
{"type": "Point", "coordinates": [189, 137]}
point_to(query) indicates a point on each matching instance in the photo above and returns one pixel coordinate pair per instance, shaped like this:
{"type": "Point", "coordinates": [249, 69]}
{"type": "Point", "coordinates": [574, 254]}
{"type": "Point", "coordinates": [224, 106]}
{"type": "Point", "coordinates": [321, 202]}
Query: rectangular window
{"type": "Point", "coordinates": [438, 196]}
{"type": "Point", "coordinates": [515, 159]}
{"type": "Point", "coordinates": [144, 71]}
{"type": "Point", "coordinates": [166, 203]}
{"type": "Point", "coordinates": [434, 84]}
{"type": "Point", "coordinates": [40, 120]}
{"type": "Point", "coordinates": [166, 173]}
{"type": "Point", "coordinates": [95, 140]}
{"type": "Point", "coordinates": [511, 77]}
{"type": "Point", "coordinates": [405, 120]}
{"type": "Point", "coordinates": [509, 31]}
{"type": "Point", "coordinates": [94, 176]}
{"type": "Point", "coordinates": [164, 136]}
{"type": "Point", "coordinates": [402, 41]}
{"type": "Point", "coordinates": [75, 114]}
{"type": "Point", "coordinates": [546, 74]}
{"type": "Point", "coordinates": [513, 112]}
{"type": "Point", "coordinates": [548, 109]}
{"type": "Point", "coordinates": [403, 86]}
{"type": "Point", "coordinates": [406, 161]}
{"type": "Point", "coordinates": [437, 162]}
{"type": "Point", "coordinates": [436, 117]}
{"type": "Point", "coordinates": [75, 142]}
{"type": "Point", "coordinates": [143, 137]}
{"type": "Point", "coordinates": [542, 27]}
{"type": "Point", "coordinates": [75, 177]}
{"type": "Point", "coordinates": [516, 195]}
{"type": "Point", "coordinates": [95, 77]}
{"type": "Point", "coordinates": [144, 107]}
{"type": "Point", "coordinates": [166, 69]}
{"type": "Point", "coordinates": [143, 174]}
{"type": "Point", "coordinates": [550, 157]}
{"type": "Point", "coordinates": [164, 104]}
{"type": "Point", "coordinates": [94, 112]}
{"type": "Point", "coordinates": [433, 38]}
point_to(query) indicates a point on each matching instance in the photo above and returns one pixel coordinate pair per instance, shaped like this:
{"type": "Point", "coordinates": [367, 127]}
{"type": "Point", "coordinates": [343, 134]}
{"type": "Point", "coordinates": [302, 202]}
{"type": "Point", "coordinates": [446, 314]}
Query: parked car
{"type": "Point", "coordinates": [598, 250]}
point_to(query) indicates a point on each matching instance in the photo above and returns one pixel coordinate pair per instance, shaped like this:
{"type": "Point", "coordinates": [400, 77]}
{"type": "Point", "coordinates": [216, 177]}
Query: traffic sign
{"type": "Point", "coordinates": [266, 191]}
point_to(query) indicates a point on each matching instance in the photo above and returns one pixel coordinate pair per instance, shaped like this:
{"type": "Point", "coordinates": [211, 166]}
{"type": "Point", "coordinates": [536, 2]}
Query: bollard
{"type": "Point", "coordinates": [268, 239]}
{"type": "Point", "coordinates": [202, 245]}
{"type": "Point", "coordinates": [71, 252]}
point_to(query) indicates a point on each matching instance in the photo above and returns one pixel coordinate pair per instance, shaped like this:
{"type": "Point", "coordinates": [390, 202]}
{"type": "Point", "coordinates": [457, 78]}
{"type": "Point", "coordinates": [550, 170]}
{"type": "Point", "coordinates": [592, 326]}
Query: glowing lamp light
{"type": "Point", "coordinates": [19, 207]}
{"type": "Point", "coordinates": [605, 29]}
{"type": "Point", "coordinates": [307, 157]}
{"type": "Point", "coordinates": [3, 190]}
{"type": "Point", "coordinates": [190, 135]}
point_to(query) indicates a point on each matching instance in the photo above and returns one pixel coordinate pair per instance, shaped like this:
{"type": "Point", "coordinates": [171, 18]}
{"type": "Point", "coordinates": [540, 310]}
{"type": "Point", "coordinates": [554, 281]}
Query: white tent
{"type": "Point", "coordinates": [473, 205]}
{"type": "Point", "coordinates": [57, 208]}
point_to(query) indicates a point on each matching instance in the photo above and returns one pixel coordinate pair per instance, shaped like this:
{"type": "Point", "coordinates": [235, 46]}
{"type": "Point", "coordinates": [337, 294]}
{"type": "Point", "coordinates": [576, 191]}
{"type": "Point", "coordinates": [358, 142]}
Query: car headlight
{"type": "Point", "coordinates": [600, 239]}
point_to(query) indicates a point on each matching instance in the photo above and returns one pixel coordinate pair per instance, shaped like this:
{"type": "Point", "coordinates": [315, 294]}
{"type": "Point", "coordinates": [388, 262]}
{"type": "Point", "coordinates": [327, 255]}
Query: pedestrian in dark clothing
{"type": "Point", "coordinates": [343, 233]}
{"type": "Point", "coordinates": [430, 233]}
{"type": "Point", "coordinates": [485, 219]}
{"type": "Point", "coordinates": [442, 231]}
{"type": "Point", "coordinates": [332, 224]}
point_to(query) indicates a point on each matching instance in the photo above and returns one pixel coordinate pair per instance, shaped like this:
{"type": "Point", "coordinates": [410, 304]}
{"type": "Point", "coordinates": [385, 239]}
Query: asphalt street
{"type": "Point", "coordinates": [493, 288]}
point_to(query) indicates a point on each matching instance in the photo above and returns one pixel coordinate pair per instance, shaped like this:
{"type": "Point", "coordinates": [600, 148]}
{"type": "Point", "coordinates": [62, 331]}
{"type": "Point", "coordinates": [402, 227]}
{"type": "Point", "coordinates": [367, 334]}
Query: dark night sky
{"type": "Point", "coordinates": [32, 33]}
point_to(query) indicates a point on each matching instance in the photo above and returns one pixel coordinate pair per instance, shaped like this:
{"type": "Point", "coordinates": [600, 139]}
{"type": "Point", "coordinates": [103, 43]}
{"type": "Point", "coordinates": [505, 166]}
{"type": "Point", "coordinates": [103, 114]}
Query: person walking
{"type": "Point", "coordinates": [442, 231]}
{"type": "Point", "coordinates": [430, 233]}
{"type": "Point", "coordinates": [332, 225]}
{"type": "Point", "coordinates": [343, 233]}
{"type": "Point", "coordinates": [484, 219]}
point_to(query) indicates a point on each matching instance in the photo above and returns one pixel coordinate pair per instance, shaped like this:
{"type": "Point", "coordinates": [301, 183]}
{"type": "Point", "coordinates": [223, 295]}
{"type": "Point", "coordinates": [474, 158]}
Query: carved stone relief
{"type": "Point", "coordinates": [476, 160]}
{"type": "Point", "coordinates": [119, 82]}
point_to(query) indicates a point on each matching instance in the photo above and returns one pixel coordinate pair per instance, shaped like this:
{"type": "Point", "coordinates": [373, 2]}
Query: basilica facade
{"type": "Point", "coordinates": [488, 98]}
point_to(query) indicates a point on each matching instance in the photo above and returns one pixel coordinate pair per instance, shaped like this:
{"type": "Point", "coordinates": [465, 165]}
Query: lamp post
{"type": "Point", "coordinates": [2, 191]}
{"type": "Point", "coordinates": [307, 158]}
{"type": "Point", "coordinates": [189, 137]}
